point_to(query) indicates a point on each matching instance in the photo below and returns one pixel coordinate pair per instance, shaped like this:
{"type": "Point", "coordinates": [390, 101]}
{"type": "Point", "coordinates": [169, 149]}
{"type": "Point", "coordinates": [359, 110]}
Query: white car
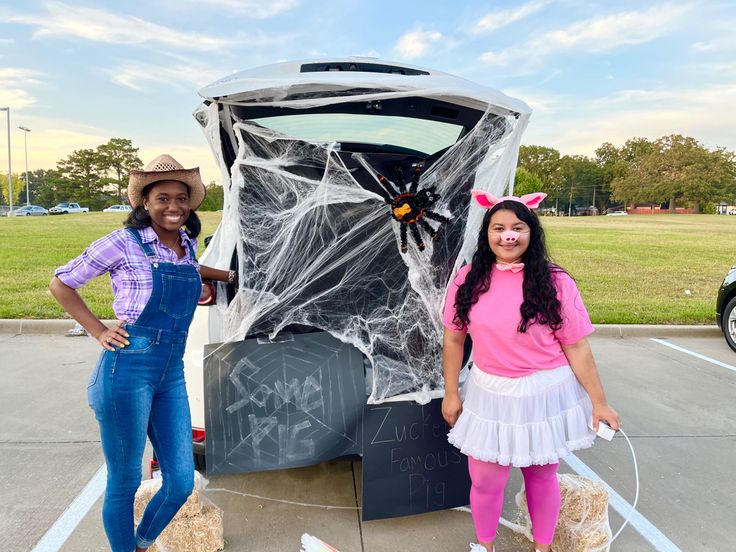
{"type": "Point", "coordinates": [65, 208]}
{"type": "Point", "coordinates": [617, 214]}
{"type": "Point", "coordinates": [29, 211]}
{"type": "Point", "coordinates": [118, 209]}
{"type": "Point", "coordinates": [367, 166]}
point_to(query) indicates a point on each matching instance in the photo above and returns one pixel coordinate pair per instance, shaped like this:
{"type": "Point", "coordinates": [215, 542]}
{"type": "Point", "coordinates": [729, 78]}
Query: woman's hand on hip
{"type": "Point", "coordinates": [452, 407]}
{"type": "Point", "coordinates": [114, 337]}
{"type": "Point", "coordinates": [605, 413]}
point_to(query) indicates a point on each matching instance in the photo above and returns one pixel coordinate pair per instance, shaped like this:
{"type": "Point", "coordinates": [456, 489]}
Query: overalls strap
{"type": "Point", "coordinates": [147, 249]}
{"type": "Point", "coordinates": [192, 255]}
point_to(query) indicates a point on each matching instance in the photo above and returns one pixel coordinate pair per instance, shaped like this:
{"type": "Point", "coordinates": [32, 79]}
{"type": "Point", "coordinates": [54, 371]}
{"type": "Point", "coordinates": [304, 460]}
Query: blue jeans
{"type": "Point", "coordinates": [136, 391]}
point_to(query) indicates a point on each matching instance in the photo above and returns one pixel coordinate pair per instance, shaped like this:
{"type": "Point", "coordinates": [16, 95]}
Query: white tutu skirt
{"type": "Point", "coordinates": [535, 419]}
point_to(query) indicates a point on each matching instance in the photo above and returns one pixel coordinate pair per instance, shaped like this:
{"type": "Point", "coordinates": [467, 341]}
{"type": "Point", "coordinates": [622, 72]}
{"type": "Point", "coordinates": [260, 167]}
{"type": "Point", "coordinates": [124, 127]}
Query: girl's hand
{"type": "Point", "coordinates": [452, 407]}
{"type": "Point", "coordinates": [114, 337]}
{"type": "Point", "coordinates": [605, 413]}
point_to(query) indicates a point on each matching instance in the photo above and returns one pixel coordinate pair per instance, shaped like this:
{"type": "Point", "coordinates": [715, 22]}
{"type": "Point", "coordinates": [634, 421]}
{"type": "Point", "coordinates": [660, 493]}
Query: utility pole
{"type": "Point", "coordinates": [593, 196]}
{"type": "Point", "coordinates": [569, 205]}
{"type": "Point", "coordinates": [25, 143]}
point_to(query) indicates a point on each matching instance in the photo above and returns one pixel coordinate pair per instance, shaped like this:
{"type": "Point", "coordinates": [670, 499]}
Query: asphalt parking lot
{"type": "Point", "coordinates": [674, 390]}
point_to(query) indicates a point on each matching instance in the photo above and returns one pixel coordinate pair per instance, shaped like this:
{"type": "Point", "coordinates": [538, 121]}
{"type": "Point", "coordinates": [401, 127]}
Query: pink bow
{"type": "Point", "coordinates": [513, 267]}
{"type": "Point", "coordinates": [487, 200]}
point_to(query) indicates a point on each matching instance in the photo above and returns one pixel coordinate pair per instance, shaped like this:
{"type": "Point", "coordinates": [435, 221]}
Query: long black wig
{"type": "Point", "coordinates": [139, 218]}
{"type": "Point", "coordinates": [540, 304]}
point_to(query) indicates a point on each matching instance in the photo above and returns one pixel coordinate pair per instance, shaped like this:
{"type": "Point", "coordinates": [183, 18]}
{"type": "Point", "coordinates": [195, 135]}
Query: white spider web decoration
{"type": "Point", "coordinates": [318, 249]}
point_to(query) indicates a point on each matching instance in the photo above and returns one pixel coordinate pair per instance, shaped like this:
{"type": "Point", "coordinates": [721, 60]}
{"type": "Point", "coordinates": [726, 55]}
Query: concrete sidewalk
{"type": "Point", "coordinates": [677, 408]}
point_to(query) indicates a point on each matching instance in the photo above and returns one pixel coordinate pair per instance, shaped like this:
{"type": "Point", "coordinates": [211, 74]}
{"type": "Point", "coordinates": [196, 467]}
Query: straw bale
{"type": "Point", "coordinates": [150, 487]}
{"type": "Point", "coordinates": [201, 533]}
{"type": "Point", "coordinates": [583, 523]}
{"type": "Point", "coordinates": [583, 500]}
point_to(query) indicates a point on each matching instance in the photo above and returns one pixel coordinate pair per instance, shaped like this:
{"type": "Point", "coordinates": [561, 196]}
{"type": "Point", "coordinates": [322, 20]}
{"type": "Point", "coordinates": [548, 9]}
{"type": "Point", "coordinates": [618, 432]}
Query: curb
{"type": "Point", "coordinates": [27, 326]}
{"type": "Point", "coordinates": [653, 330]}
{"type": "Point", "coordinates": [623, 331]}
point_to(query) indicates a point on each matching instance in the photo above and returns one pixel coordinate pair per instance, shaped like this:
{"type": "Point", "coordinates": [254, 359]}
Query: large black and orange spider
{"type": "Point", "coordinates": [410, 208]}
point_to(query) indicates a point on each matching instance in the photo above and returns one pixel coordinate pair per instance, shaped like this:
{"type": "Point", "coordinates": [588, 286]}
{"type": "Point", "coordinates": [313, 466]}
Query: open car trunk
{"type": "Point", "coordinates": [347, 204]}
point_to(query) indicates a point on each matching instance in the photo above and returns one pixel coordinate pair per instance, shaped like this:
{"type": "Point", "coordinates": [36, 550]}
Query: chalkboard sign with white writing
{"type": "Point", "coordinates": [408, 465]}
{"type": "Point", "coordinates": [292, 402]}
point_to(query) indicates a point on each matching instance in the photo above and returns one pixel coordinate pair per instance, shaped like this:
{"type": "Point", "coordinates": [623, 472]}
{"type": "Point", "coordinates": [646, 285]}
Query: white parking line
{"type": "Point", "coordinates": [63, 527]}
{"type": "Point", "coordinates": [642, 525]}
{"type": "Point", "coordinates": [693, 353]}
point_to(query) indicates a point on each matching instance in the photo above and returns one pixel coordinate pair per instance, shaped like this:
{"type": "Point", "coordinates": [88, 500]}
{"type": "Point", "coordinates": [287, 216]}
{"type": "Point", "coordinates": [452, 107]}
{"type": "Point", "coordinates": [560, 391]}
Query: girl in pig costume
{"type": "Point", "coordinates": [533, 393]}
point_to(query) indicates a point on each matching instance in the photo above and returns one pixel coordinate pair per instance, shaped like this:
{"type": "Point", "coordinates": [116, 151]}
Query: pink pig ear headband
{"type": "Point", "coordinates": [488, 201]}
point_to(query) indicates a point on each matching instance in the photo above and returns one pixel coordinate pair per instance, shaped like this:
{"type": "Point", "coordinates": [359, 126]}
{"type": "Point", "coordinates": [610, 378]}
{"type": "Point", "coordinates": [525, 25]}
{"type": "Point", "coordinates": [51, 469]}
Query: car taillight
{"type": "Point", "coordinates": [197, 435]}
{"type": "Point", "coordinates": [208, 294]}
{"type": "Point", "coordinates": [154, 469]}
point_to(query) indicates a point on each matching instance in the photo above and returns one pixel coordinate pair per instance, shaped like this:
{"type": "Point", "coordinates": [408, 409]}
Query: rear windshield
{"type": "Point", "coordinates": [416, 134]}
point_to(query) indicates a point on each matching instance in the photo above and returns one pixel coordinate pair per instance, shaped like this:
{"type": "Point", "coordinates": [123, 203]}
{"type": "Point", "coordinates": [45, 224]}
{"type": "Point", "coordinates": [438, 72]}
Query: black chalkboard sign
{"type": "Point", "coordinates": [295, 401]}
{"type": "Point", "coordinates": [408, 465]}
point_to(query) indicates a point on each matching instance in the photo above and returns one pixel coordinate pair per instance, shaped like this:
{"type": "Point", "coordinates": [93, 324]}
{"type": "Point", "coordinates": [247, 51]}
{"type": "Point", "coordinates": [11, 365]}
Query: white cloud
{"type": "Point", "coordinates": [187, 155]}
{"type": "Point", "coordinates": [256, 9]}
{"type": "Point", "coordinates": [721, 42]}
{"type": "Point", "coordinates": [368, 54]}
{"type": "Point", "coordinates": [64, 20]}
{"type": "Point", "coordinates": [16, 98]}
{"type": "Point", "coordinates": [703, 46]}
{"type": "Point", "coordinates": [416, 43]}
{"type": "Point", "coordinates": [183, 75]}
{"type": "Point", "coordinates": [493, 58]}
{"type": "Point", "coordinates": [600, 34]}
{"type": "Point", "coordinates": [577, 126]}
{"type": "Point", "coordinates": [501, 18]}
{"type": "Point", "coordinates": [17, 74]}
{"type": "Point", "coordinates": [13, 92]}
{"type": "Point", "coordinates": [51, 140]}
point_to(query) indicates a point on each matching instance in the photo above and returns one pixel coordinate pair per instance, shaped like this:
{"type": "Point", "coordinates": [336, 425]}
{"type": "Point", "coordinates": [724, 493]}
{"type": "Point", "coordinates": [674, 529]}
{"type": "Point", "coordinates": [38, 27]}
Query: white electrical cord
{"type": "Point", "coordinates": [636, 495]}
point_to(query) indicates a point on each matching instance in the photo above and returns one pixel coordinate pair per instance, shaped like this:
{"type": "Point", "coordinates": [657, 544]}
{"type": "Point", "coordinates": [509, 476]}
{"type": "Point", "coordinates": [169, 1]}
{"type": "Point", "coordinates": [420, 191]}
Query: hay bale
{"type": "Point", "coordinates": [583, 524]}
{"type": "Point", "coordinates": [150, 487]}
{"type": "Point", "coordinates": [201, 533]}
{"type": "Point", "coordinates": [196, 527]}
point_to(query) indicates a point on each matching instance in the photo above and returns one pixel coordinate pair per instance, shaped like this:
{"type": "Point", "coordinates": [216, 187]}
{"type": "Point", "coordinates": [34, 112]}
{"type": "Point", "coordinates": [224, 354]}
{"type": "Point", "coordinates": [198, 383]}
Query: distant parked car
{"type": "Point", "coordinates": [29, 211]}
{"type": "Point", "coordinates": [118, 209]}
{"type": "Point", "coordinates": [617, 214]}
{"type": "Point", "coordinates": [726, 308]}
{"type": "Point", "coordinates": [66, 208]}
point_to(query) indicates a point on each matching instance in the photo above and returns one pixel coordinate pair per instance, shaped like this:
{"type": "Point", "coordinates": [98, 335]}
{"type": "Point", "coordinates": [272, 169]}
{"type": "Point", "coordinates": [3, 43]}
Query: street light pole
{"type": "Point", "coordinates": [25, 145]}
{"type": "Point", "coordinates": [10, 166]}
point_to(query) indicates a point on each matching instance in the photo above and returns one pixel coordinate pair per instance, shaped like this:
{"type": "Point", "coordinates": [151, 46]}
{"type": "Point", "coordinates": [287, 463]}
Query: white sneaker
{"type": "Point", "coordinates": [474, 547]}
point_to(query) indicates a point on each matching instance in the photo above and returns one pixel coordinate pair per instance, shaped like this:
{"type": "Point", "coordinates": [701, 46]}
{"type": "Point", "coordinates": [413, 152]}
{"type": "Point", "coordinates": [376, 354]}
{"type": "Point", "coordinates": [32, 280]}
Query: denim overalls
{"type": "Point", "coordinates": [139, 390]}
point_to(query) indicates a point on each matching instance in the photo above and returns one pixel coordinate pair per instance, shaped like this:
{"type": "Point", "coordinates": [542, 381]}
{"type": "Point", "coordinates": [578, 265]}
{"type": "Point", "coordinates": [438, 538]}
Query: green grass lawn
{"type": "Point", "coordinates": [32, 247]}
{"type": "Point", "coordinates": [636, 269]}
{"type": "Point", "coordinates": [630, 270]}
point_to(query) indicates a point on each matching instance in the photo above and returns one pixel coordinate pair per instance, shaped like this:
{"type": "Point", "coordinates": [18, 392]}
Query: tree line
{"type": "Point", "coordinates": [672, 171]}
{"type": "Point", "coordinates": [94, 178]}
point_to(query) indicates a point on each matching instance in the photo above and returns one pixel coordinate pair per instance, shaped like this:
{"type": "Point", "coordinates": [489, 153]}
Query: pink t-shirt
{"type": "Point", "coordinates": [498, 347]}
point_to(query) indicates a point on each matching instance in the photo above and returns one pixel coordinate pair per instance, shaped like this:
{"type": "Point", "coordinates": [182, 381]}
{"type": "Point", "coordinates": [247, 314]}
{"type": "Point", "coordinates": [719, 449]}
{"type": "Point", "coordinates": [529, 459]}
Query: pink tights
{"type": "Point", "coordinates": [486, 498]}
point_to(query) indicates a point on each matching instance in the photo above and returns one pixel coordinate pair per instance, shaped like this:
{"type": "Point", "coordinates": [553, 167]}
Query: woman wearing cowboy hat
{"type": "Point", "coordinates": [137, 387]}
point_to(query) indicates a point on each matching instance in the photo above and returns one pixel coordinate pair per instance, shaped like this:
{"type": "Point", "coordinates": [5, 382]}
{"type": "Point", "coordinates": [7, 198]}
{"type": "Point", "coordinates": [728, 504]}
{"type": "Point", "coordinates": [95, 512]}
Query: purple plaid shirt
{"type": "Point", "coordinates": [119, 254]}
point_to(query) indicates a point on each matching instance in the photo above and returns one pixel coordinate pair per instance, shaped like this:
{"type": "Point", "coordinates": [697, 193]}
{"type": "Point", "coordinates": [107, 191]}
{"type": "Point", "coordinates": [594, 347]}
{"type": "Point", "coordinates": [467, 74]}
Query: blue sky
{"type": "Point", "coordinates": [80, 72]}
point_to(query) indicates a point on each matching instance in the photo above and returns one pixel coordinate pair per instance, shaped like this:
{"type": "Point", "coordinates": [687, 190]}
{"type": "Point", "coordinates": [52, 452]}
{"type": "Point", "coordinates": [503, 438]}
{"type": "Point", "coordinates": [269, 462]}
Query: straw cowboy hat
{"type": "Point", "coordinates": [165, 167]}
